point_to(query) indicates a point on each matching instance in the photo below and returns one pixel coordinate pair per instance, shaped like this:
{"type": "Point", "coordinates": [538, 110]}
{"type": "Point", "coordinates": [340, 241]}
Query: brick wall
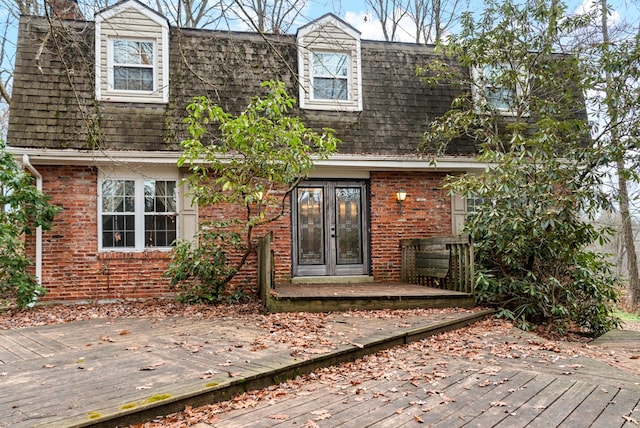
{"type": "Point", "coordinates": [73, 269]}
{"type": "Point", "coordinates": [425, 212]}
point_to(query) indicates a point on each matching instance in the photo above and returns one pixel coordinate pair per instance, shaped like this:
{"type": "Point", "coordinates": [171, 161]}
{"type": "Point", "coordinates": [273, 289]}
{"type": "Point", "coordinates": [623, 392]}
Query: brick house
{"type": "Point", "coordinates": [97, 113]}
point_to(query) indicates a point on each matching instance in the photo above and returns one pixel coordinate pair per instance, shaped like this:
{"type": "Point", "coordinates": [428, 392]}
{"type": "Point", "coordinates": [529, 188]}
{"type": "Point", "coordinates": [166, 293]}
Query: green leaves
{"type": "Point", "coordinates": [199, 271]}
{"type": "Point", "coordinates": [251, 162]}
{"type": "Point", "coordinates": [543, 185]}
{"type": "Point", "coordinates": [261, 148]}
{"type": "Point", "coordinates": [22, 209]}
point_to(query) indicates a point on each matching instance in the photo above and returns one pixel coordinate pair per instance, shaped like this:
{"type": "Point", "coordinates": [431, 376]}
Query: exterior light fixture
{"type": "Point", "coordinates": [401, 195]}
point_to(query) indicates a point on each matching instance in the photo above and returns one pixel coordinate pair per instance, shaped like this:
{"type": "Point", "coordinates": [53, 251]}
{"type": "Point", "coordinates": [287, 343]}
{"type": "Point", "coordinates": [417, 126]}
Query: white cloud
{"type": "Point", "coordinates": [367, 23]}
{"type": "Point", "coordinates": [588, 6]}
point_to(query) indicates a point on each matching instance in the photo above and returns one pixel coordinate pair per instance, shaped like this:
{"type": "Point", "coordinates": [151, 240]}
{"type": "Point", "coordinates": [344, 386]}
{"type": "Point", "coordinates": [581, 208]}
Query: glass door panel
{"type": "Point", "coordinates": [311, 248]}
{"type": "Point", "coordinates": [348, 225]}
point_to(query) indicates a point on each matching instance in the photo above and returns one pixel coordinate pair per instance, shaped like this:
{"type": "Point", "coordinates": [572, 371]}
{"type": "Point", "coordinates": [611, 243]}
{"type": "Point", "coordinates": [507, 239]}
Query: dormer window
{"type": "Point", "coordinates": [329, 65]}
{"type": "Point", "coordinates": [330, 76]}
{"type": "Point", "coordinates": [133, 65]}
{"type": "Point", "coordinates": [132, 54]}
{"type": "Point", "coordinates": [497, 89]}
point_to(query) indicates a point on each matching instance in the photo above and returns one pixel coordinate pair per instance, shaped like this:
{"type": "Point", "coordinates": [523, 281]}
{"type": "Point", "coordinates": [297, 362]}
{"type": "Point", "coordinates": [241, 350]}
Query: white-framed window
{"type": "Point", "coordinates": [329, 66]}
{"type": "Point", "coordinates": [462, 208]}
{"type": "Point", "coordinates": [494, 91]}
{"type": "Point", "coordinates": [330, 75]}
{"type": "Point", "coordinates": [137, 212]}
{"type": "Point", "coordinates": [133, 66]}
{"type": "Point", "coordinates": [131, 54]}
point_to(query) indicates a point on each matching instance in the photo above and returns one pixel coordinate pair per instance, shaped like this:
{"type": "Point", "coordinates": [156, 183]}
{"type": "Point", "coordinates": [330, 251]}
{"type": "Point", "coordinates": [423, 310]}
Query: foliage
{"type": "Point", "coordinates": [198, 269]}
{"type": "Point", "coordinates": [23, 208]}
{"type": "Point", "coordinates": [251, 161]}
{"type": "Point", "coordinates": [542, 183]}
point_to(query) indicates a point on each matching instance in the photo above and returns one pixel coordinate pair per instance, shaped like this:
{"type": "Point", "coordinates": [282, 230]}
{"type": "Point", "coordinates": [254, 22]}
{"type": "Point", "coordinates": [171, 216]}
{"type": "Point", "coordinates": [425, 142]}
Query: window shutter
{"type": "Point", "coordinates": [188, 211]}
{"type": "Point", "coordinates": [458, 213]}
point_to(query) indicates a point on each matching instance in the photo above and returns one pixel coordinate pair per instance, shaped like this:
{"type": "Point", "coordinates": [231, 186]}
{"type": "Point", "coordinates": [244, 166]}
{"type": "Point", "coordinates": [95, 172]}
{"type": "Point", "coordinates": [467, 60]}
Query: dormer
{"type": "Point", "coordinates": [132, 54]}
{"type": "Point", "coordinates": [329, 65]}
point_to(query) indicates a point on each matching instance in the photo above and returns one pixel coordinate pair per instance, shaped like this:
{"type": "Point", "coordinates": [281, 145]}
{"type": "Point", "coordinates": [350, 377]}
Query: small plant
{"type": "Point", "coordinates": [201, 270]}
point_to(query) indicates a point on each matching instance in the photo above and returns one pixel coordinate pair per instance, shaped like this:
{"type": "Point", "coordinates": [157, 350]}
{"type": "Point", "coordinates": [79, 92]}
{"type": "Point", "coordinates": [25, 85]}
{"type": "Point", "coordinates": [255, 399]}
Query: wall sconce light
{"type": "Point", "coordinates": [259, 199]}
{"type": "Point", "coordinates": [401, 195]}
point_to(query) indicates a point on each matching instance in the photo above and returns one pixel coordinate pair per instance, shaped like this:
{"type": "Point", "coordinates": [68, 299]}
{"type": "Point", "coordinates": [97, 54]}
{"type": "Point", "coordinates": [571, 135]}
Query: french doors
{"type": "Point", "coordinates": [330, 228]}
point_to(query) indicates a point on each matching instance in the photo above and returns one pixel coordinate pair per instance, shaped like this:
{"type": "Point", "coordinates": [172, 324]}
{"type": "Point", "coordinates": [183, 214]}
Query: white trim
{"type": "Point", "coordinates": [98, 62]}
{"type": "Point", "coordinates": [165, 65]}
{"type": "Point", "coordinates": [358, 59]}
{"type": "Point", "coordinates": [329, 19]}
{"type": "Point", "coordinates": [139, 175]}
{"type": "Point", "coordinates": [103, 73]}
{"type": "Point", "coordinates": [138, 7]}
{"type": "Point", "coordinates": [305, 66]}
{"type": "Point", "coordinates": [27, 164]}
{"type": "Point", "coordinates": [303, 79]}
{"type": "Point", "coordinates": [348, 77]}
{"type": "Point", "coordinates": [111, 66]}
{"type": "Point", "coordinates": [478, 89]}
{"type": "Point", "coordinates": [138, 157]}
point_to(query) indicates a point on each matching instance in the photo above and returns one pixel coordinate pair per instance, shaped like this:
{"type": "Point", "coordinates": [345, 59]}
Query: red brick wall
{"type": "Point", "coordinates": [73, 268]}
{"type": "Point", "coordinates": [246, 279]}
{"type": "Point", "coordinates": [425, 212]}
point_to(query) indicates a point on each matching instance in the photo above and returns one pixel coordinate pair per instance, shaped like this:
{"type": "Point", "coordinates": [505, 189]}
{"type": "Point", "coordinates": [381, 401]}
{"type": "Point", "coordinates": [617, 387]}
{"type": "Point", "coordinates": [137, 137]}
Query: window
{"type": "Point", "coordinates": [131, 54]}
{"type": "Point", "coordinates": [495, 90]}
{"type": "Point", "coordinates": [462, 208]}
{"type": "Point", "coordinates": [133, 65]}
{"type": "Point", "coordinates": [138, 213]}
{"type": "Point", "coordinates": [473, 202]}
{"type": "Point", "coordinates": [329, 66]}
{"type": "Point", "coordinates": [330, 76]}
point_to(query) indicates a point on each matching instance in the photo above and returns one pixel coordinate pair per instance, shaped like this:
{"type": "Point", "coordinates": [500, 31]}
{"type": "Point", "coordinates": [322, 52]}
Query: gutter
{"type": "Point", "coordinates": [27, 164]}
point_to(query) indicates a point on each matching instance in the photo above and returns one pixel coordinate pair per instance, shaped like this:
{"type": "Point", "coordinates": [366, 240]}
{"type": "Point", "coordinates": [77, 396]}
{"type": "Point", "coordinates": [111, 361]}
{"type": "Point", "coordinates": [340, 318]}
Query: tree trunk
{"type": "Point", "coordinates": [633, 286]}
{"type": "Point", "coordinates": [632, 298]}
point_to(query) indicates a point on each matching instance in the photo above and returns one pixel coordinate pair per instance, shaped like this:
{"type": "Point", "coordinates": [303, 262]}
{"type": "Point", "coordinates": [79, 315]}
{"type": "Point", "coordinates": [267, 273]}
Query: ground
{"type": "Point", "coordinates": [493, 343]}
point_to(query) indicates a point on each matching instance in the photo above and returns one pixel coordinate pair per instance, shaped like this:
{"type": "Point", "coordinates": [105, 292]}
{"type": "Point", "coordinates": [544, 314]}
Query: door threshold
{"type": "Point", "coordinates": [346, 279]}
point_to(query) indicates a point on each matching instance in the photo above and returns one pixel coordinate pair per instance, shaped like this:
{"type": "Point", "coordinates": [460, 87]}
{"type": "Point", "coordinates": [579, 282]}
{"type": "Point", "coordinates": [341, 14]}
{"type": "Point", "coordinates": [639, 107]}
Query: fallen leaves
{"type": "Point", "coordinates": [153, 366]}
{"type": "Point", "coordinates": [320, 415]}
{"type": "Point", "coordinates": [279, 417]}
{"type": "Point", "coordinates": [420, 371]}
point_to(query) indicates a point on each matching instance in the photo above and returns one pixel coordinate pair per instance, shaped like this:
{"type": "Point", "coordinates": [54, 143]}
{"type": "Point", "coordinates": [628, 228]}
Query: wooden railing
{"type": "Point", "coordinates": [444, 262]}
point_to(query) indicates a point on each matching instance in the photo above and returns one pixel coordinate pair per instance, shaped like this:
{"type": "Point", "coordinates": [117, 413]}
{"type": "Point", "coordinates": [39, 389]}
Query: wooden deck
{"type": "Point", "coordinates": [462, 395]}
{"type": "Point", "coordinates": [365, 296]}
{"type": "Point", "coordinates": [114, 372]}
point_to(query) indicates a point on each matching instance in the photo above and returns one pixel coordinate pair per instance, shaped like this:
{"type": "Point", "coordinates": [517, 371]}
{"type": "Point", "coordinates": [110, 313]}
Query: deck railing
{"type": "Point", "coordinates": [444, 262]}
{"type": "Point", "coordinates": [265, 267]}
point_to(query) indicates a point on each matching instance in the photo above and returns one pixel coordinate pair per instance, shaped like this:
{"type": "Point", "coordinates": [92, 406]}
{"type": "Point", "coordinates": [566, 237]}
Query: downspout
{"type": "Point", "coordinates": [38, 176]}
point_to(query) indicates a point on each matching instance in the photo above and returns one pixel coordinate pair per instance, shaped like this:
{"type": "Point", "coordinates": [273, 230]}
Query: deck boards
{"type": "Point", "coordinates": [60, 374]}
{"type": "Point", "coordinates": [340, 297]}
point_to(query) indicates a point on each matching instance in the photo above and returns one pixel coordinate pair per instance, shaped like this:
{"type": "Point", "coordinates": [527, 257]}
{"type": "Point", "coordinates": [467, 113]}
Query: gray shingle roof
{"type": "Point", "coordinates": [54, 104]}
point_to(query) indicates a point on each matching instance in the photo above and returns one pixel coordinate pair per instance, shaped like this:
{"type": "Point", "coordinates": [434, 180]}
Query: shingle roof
{"type": "Point", "coordinates": [54, 105]}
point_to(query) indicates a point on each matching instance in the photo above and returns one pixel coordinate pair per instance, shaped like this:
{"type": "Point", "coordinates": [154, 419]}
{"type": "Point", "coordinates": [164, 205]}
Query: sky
{"type": "Point", "coordinates": [358, 14]}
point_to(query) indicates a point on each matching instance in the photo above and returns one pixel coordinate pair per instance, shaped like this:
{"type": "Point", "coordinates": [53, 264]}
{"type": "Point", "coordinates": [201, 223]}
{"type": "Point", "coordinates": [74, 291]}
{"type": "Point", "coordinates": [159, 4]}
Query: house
{"type": "Point", "coordinates": [97, 113]}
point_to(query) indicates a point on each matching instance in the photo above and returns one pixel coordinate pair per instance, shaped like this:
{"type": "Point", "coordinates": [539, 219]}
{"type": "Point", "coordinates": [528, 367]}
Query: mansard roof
{"type": "Point", "coordinates": [54, 103]}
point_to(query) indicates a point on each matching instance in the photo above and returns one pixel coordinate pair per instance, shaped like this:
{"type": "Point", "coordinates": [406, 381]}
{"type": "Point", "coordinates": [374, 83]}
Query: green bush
{"type": "Point", "coordinates": [532, 260]}
{"type": "Point", "coordinates": [22, 209]}
{"type": "Point", "coordinates": [200, 270]}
